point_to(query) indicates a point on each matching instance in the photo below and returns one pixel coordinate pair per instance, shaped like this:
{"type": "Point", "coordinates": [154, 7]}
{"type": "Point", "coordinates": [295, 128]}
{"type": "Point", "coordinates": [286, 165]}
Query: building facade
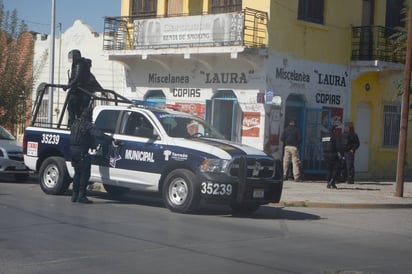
{"type": "Point", "coordinates": [248, 67]}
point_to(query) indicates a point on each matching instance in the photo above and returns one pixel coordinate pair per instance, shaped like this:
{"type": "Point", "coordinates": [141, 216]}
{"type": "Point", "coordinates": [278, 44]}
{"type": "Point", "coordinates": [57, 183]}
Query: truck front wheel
{"type": "Point", "coordinates": [180, 192]}
{"type": "Point", "coordinates": [53, 176]}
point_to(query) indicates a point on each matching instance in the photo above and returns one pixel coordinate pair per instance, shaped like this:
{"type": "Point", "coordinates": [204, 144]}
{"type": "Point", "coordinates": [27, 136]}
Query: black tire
{"type": "Point", "coordinates": [181, 192]}
{"type": "Point", "coordinates": [53, 176]}
{"type": "Point", "coordinates": [115, 191]}
{"type": "Point", "coordinates": [244, 208]}
{"type": "Point", "coordinates": [21, 177]}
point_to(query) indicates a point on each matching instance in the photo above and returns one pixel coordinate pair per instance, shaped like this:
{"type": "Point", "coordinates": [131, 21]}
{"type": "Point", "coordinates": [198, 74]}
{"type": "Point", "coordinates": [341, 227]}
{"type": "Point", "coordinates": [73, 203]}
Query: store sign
{"type": "Point", "coordinates": [186, 92]}
{"type": "Point", "coordinates": [201, 30]}
{"type": "Point", "coordinates": [195, 109]}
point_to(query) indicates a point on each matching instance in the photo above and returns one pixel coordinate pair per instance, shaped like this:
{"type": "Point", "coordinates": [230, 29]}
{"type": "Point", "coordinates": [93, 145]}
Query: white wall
{"type": "Point", "coordinates": [110, 74]}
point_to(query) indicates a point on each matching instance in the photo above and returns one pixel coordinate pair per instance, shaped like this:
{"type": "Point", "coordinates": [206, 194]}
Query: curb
{"type": "Point", "coordinates": [340, 205]}
{"type": "Point", "coordinates": [98, 187]}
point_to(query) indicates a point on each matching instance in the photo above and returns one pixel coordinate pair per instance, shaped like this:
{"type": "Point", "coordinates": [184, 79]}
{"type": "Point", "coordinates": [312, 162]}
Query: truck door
{"type": "Point", "coordinates": [136, 161]}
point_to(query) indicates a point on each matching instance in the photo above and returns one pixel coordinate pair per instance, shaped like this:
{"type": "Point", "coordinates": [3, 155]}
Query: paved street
{"type": "Point", "coordinates": [48, 234]}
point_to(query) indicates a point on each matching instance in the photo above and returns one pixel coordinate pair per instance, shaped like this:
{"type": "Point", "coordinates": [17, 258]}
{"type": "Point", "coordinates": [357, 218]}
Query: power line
{"type": "Point", "coordinates": [34, 23]}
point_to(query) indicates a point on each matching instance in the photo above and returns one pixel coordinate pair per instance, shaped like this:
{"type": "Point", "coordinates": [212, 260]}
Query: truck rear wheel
{"type": "Point", "coordinates": [180, 192]}
{"type": "Point", "coordinates": [53, 176]}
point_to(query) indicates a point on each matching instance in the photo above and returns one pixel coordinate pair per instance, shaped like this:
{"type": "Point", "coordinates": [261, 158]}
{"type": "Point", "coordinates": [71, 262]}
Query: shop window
{"type": "Point", "coordinates": [144, 8]}
{"type": "Point", "coordinates": [222, 6]}
{"type": "Point", "coordinates": [311, 11]}
{"type": "Point", "coordinates": [391, 125]}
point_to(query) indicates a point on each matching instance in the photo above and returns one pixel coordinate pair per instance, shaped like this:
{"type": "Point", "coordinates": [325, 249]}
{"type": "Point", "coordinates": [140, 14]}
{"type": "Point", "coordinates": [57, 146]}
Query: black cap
{"type": "Point", "coordinates": [74, 53]}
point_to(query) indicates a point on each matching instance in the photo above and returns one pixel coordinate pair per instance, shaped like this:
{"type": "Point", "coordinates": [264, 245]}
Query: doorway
{"type": "Point", "coordinates": [154, 98]}
{"type": "Point", "coordinates": [223, 113]}
{"type": "Point", "coordinates": [362, 128]}
{"type": "Point", "coordinates": [294, 109]}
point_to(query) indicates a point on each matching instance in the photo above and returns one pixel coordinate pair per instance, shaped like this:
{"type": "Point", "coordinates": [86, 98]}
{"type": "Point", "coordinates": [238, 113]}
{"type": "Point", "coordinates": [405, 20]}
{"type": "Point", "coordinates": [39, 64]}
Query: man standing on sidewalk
{"type": "Point", "coordinates": [350, 143]}
{"type": "Point", "coordinates": [291, 139]}
{"type": "Point", "coordinates": [331, 155]}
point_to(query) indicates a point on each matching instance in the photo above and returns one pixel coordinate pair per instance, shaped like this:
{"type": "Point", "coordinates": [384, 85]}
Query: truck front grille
{"type": "Point", "coordinates": [252, 167]}
{"type": "Point", "coordinates": [16, 156]}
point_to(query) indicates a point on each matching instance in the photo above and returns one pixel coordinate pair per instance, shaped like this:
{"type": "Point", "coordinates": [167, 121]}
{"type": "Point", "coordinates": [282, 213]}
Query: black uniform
{"type": "Point", "coordinates": [79, 78]}
{"type": "Point", "coordinates": [350, 143]}
{"type": "Point", "coordinates": [92, 83]}
{"type": "Point", "coordinates": [82, 138]}
{"type": "Point", "coordinates": [331, 155]}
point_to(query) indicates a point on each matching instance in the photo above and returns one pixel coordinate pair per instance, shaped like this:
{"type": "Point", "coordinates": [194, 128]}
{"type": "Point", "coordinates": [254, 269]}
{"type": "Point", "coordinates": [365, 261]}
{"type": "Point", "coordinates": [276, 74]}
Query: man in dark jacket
{"type": "Point", "coordinates": [82, 138]}
{"type": "Point", "coordinates": [350, 143]}
{"type": "Point", "coordinates": [79, 77]}
{"type": "Point", "coordinates": [331, 155]}
{"type": "Point", "coordinates": [92, 83]}
{"type": "Point", "coordinates": [291, 139]}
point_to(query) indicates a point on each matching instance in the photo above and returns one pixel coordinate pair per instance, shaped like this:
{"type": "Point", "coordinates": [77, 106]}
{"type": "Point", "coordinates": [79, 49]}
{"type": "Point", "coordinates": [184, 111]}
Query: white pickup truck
{"type": "Point", "coordinates": [164, 151]}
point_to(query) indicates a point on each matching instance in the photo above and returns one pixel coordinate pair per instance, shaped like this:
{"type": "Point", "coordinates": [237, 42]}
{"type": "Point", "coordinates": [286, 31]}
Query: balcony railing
{"type": "Point", "coordinates": [247, 28]}
{"type": "Point", "coordinates": [371, 43]}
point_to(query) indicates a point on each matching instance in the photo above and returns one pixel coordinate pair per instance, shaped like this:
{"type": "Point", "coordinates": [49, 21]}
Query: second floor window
{"type": "Point", "coordinates": [222, 6]}
{"type": "Point", "coordinates": [311, 11]}
{"type": "Point", "coordinates": [144, 8]}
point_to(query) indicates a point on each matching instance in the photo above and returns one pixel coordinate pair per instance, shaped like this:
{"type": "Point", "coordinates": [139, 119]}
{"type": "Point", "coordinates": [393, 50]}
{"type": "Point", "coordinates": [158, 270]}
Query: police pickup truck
{"type": "Point", "coordinates": [161, 150]}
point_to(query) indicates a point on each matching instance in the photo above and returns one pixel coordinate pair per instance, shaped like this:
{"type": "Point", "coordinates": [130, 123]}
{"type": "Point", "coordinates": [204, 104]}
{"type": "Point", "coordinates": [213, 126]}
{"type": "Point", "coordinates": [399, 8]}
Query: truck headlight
{"type": "Point", "coordinates": [214, 165]}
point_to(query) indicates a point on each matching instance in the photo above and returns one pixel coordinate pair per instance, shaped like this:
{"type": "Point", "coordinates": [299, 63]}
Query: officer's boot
{"type": "Point", "coordinates": [351, 178]}
{"type": "Point", "coordinates": [75, 194]}
{"type": "Point", "coordinates": [82, 196]}
{"type": "Point", "coordinates": [332, 184]}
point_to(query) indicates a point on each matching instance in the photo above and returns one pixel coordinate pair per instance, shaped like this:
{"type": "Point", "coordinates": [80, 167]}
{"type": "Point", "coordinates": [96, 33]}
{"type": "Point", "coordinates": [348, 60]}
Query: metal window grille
{"type": "Point", "coordinates": [311, 11]}
{"type": "Point", "coordinates": [144, 8]}
{"type": "Point", "coordinates": [391, 125]}
{"type": "Point", "coordinates": [221, 6]}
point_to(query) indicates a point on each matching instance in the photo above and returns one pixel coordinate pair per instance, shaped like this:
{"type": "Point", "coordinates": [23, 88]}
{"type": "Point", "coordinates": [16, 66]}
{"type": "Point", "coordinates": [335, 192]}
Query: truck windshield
{"type": "Point", "coordinates": [181, 126]}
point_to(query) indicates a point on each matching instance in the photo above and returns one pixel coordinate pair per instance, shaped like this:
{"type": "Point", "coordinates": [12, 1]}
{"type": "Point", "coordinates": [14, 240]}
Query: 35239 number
{"type": "Point", "coordinates": [216, 189]}
{"type": "Point", "coordinates": [52, 139]}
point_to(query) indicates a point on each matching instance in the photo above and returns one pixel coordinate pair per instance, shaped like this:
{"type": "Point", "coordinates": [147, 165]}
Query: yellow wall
{"type": "Point", "coordinates": [380, 12]}
{"type": "Point", "coordinates": [125, 9]}
{"type": "Point", "coordinates": [196, 7]}
{"type": "Point", "coordinates": [329, 42]}
{"type": "Point", "coordinates": [262, 5]}
{"type": "Point", "coordinates": [383, 89]}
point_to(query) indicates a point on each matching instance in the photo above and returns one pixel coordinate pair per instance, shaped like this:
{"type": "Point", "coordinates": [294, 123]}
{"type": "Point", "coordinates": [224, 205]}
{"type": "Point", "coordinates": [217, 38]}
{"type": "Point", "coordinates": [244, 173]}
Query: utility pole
{"type": "Point", "coordinates": [403, 131]}
{"type": "Point", "coordinates": [51, 65]}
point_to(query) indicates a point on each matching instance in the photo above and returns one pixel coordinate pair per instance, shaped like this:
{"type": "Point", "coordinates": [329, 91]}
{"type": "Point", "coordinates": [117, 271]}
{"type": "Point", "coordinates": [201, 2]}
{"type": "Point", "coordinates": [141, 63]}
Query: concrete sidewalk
{"type": "Point", "coordinates": [362, 194]}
